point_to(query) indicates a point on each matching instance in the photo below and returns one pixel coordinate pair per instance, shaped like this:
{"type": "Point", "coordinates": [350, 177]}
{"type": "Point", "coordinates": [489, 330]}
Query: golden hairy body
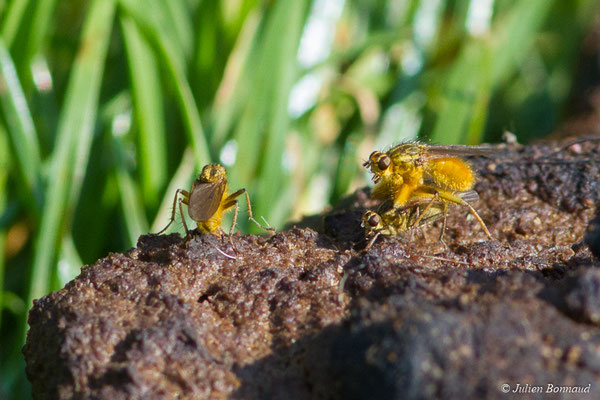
{"type": "Point", "coordinates": [451, 173]}
{"type": "Point", "coordinates": [416, 173]}
{"type": "Point", "coordinates": [208, 200]}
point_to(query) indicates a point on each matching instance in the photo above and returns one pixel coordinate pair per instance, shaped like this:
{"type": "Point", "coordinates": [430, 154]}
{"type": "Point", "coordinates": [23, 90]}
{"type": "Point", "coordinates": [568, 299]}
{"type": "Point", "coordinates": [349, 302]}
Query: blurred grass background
{"type": "Point", "coordinates": [108, 106]}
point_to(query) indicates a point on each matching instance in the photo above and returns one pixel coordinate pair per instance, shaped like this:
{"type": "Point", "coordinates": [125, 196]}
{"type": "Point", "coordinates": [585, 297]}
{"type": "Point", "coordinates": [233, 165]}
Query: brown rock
{"type": "Point", "coordinates": [306, 314]}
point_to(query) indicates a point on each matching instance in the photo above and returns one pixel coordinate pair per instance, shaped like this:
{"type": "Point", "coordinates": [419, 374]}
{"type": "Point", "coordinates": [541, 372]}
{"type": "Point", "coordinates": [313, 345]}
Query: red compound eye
{"type": "Point", "coordinates": [384, 162]}
{"type": "Point", "coordinates": [373, 220]}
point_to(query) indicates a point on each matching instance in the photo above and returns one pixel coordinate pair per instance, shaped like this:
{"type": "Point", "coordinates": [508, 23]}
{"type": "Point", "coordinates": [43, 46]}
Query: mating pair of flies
{"type": "Point", "coordinates": [417, 182]}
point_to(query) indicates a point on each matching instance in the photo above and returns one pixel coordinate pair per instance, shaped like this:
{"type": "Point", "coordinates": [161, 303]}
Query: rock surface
{"type": "Point", "coordinates": [307, 314]}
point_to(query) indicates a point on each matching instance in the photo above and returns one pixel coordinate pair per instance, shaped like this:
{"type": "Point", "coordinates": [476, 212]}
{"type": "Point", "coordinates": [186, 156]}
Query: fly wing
{"type": "Point", "coordinates": [385, 206]}
{"type": "Point", "coordinates": [205, 199]}
{"type": "Point", "coordinates": [457, 150]}
{"type": "Point", "coordinates": [470, 196]}
{"type": "Point", "coordinates": [434, 213]}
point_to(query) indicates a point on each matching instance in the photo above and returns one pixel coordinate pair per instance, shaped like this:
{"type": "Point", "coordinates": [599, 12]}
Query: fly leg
{"type": "Point", "coordinates": [184, 200]}
{"type": "Point", "coordinates": [411, 232]}
{"type": "Point", "coordinates": [417, 228]}
{"type": "Point", "coordinates": [433, 199]}
{"type": "Point", "coordinates": [444, 225]}
{"type": "Point", "coordinates": [478, 218]}
{"type": "Point", "coordinates": [458, 200]}
{"type": "Point", "coordinates": [371, 241]}
{"type": "Point", "coordinates": [229, 203]}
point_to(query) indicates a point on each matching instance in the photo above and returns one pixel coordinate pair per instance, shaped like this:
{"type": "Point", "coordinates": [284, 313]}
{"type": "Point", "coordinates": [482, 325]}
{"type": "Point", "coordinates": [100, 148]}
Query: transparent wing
{"type": "Point", "coordinates": [435, 212]}
{"type": "Point", "coordinates": [470, 196]}
{"type": "Point", "coordinates": [458, 150]}
{"type": "Point", "coordinates": [205, 199]}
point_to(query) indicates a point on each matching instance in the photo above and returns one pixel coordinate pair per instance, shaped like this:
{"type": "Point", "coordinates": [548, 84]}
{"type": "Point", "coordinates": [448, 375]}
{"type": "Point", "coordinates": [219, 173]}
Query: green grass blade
{"type": "Point", "coordinates": [515, 36]}
{"type": "Point", "coordinates": [347, 167]}
{"type": "Point", "coordinates": [460, 98]}
{"type": "Point", "coordinates": [148, 110]}
{"type": "Point", "coordinates": [281, 46]}
{"type": "Point", "coordinates": [21, 127]}
{"type": "Point", "coordinates": [479, 112]}
{"type": "Point", "coordinates": [191, 115]}
{"type": "Point", "coordinates": [149, 22]}
{"type": "Point", "coordinates": [466, 95]}
{"type": "Point", "coordinates": [133, 208]}
{"type": "Point", "coordinates": [135, 221]}
{"type": "Point", "coordinates": [4, 168]}
{"type": "Point", "coordinates": [269, 75]}
{"type": "Point", "coordinates": [232, 91]}
{"type": "Point", "coordinates": [211, 50]}
{"type": "Point", "coordinates": [75, 130]}
{"type": "Point", "coordinates": [177, 15]}
{"type": "Point", "coordinates": [42, 15]}
{"type": "Point", "coordinates": [13, 21]}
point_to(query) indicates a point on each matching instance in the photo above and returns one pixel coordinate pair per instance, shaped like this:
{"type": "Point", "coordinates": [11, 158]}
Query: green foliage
{"type": "Point", "coordinates": [108, 106]}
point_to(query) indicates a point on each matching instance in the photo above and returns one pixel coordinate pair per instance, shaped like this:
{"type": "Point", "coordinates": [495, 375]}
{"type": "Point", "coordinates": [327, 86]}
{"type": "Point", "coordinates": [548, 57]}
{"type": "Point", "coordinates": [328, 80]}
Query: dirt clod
{"type": "Point", "coordinates": [308, 314]}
